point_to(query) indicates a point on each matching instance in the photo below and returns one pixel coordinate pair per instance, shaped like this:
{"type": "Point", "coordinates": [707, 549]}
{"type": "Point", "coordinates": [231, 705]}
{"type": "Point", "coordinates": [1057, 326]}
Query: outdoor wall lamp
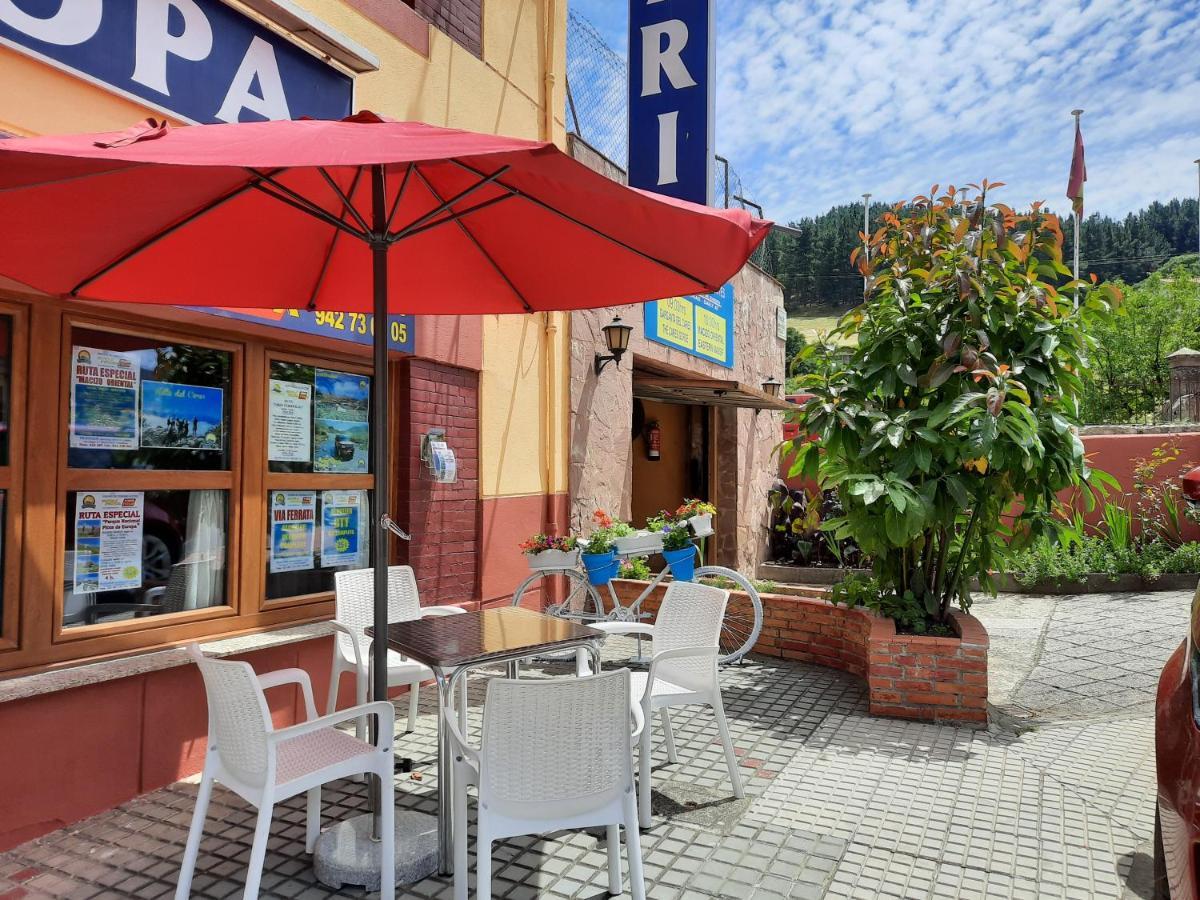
{"type": "Point", "coordinates": [771, 387]}
{"type": "Point", "coordinates": [616, 338]}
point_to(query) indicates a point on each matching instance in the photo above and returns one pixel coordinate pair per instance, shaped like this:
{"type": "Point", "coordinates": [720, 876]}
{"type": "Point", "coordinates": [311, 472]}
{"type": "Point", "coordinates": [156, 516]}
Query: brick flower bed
{"type": "Point", "coordinates": [929, 679]}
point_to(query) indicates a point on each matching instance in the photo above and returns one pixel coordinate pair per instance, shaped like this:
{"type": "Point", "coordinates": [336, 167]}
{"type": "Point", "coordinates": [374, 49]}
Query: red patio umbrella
{"type": "Point", "coordinates": [363, 215]}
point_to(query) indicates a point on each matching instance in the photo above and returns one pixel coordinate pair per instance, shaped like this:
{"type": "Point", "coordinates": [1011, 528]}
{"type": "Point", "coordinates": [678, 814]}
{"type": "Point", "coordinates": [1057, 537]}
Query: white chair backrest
{"type": "Point", "coordinates": [355, 600]}
{"type": "Point", "coordinates": [690, 616]}
{"type": "Point", "coordinates": [563, 740]}
{"type": "Point", "coordinates": [239, 719]}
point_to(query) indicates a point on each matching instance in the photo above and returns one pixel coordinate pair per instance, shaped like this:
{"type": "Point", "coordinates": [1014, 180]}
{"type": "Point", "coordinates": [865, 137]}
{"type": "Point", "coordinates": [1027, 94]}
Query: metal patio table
{"type": "Point", "coordinates": [452, 645]}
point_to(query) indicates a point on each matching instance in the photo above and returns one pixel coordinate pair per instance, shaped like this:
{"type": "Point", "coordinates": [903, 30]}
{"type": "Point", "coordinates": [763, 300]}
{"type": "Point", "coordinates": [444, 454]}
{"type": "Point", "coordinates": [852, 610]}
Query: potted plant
{"type": "Point", "coordinates": [549, 552]}
{"type": "Point", "coordinates": [677, 547]}
{"type": "Point", "coordinates": [599, 551]}
{"type": "Point", "coordinates": [698, 514]}
{"type": "Point", "coordinates": [956, 393]}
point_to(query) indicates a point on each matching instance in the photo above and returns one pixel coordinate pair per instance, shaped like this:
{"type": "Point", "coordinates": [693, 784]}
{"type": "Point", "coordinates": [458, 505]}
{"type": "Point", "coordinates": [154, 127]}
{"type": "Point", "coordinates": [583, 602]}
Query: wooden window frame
{"type": "Point", "coordinates": [78, 479]}
{"type": "Point", "coordinates": [12, 480]}
{"type": "Point", "coordinates": [32, 636]}
{"type": "Point", "coordinates": [299, 481]}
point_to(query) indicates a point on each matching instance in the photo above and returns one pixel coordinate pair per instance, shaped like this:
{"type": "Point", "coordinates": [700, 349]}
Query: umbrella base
{"type": "Point", "coordinates": [346, 855]}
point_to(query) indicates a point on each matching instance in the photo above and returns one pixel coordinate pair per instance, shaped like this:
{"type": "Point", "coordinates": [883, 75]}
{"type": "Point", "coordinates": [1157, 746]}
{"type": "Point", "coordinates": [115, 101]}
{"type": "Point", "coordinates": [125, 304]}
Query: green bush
{"type": "Point", "coordinates": [1049, 560]}
{"type": "Point", "coordinates": [959, 393]}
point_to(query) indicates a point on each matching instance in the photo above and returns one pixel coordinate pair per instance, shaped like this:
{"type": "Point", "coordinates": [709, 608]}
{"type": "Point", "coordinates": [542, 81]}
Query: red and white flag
{"type": "Point", "coordinates": [1078, 174]}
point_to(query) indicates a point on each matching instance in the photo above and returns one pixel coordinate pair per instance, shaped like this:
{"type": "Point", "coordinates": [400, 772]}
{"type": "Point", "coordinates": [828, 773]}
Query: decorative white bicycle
{"type": "Point", "coordinates": [574, 597]}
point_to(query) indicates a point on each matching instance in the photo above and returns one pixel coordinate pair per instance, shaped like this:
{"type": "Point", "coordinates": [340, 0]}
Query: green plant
{"type": "Point", "coordinates": [1047, 561]}
{"type": "Point", "coordinates": [1118, 523]}
{"type": "Point", "coordinates": [905, 609]}
{"type": "Point", "coordinates": [676, 536]}
{"type": "Point", "coordinates": [539, 542]}
{"type": "Point", "coordinates": [959, 394]}
{"type": "Point", "coordinates": [636, 568]}
{"type": "Point", "coordinates": [695, 508]}
{"type": "Point", "coordinates": [605, 532]}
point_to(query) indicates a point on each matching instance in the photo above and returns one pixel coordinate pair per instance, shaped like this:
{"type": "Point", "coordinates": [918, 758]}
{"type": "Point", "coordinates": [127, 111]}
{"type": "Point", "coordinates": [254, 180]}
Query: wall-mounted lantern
{"type": "Point", "coordinates": [616, 338]}
{"type": "Point", "coordinates": [771, 387]}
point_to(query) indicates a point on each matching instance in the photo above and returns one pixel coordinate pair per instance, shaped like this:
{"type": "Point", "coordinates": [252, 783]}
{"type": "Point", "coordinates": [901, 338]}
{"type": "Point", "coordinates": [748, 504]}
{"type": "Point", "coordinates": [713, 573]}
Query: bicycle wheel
{"type": "Point", "coordinates": [743, 617]}
{"type": "Point", "coordinates": [566, 593]}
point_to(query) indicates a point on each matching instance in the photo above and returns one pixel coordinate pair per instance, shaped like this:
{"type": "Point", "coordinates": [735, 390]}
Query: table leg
{"type": "Point", "coordinates": [445, 766]}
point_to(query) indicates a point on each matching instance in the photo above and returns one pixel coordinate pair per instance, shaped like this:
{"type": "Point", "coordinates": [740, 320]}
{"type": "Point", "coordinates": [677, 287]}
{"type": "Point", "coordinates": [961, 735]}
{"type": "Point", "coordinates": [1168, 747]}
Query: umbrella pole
{"type": "Point", "coordinates": [378, 435]}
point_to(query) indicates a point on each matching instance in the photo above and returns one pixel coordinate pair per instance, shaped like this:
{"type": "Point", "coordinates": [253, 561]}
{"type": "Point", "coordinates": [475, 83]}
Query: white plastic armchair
{"type": "Point", "coordinates": [682, 672]}
{"type": "Point", "coordinates": [264, 765]}
{"type": "Point", "coordinates": [355, 611]}
{"type": "Point", "coordinates": [528, 774]}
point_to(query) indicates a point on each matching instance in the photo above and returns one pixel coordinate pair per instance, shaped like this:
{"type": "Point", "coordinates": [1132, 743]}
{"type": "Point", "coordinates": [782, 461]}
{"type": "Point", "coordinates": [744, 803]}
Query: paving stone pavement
{"type": "Point", "coordinates": [838, 804]}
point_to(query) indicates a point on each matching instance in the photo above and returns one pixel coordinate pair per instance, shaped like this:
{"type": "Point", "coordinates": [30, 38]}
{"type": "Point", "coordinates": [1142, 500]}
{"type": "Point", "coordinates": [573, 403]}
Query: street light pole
{"type": "Point", "coordinates": [1198, 208]}
{"type": "Point", "coordinates": [866, 236]}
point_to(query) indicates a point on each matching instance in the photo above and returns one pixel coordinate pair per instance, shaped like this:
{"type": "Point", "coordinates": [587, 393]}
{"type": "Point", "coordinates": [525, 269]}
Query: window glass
{"type": "Point", "coordinates": [311, 535]}
{"type": "Point", "coordinates": [133, 554]}
{"type": "Point", "coordinates": [141, 403]}
{"type": "Point", "coordinates": [317, 420]}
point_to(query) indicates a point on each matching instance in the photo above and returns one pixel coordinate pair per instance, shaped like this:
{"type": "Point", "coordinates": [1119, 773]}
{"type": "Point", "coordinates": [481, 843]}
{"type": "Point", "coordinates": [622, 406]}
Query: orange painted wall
{"type": "Point", "coordinates": [506, 521]}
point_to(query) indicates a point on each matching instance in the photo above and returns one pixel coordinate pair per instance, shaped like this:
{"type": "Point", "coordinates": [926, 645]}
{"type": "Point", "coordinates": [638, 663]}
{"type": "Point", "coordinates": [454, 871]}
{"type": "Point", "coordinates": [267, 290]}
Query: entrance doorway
{"type": "Point", "coordinates": [681, 470]}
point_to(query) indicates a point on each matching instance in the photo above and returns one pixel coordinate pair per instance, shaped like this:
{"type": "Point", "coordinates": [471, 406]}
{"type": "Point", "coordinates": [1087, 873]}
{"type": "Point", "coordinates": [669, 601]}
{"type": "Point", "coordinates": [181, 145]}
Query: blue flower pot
{"type": "Point", "coordinates": [601, 567]}
{"type": "Point", "coordinates": [682, 562]}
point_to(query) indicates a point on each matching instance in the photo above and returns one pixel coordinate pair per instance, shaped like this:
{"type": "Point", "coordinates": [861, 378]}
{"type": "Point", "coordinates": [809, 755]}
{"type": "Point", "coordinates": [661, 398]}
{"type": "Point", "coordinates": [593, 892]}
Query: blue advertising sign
{"type": "Point", "coordinates": [671, 93]}
{"type": "Point", "coordinates": [701, 324]}
{"type": "Point", "coordinates": [344, 326]}
{"type": "Point", "coordinates": [198, 60]}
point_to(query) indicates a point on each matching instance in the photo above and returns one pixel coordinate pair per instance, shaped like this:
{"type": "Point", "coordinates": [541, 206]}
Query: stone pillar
{"type": "Point", "coordinates": [1183, 403]}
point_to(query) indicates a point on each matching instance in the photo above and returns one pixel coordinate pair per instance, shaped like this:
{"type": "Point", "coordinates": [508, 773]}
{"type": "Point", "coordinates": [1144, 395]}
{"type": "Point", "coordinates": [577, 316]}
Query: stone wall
{"type": "Point", "coordinates": [601, 467]}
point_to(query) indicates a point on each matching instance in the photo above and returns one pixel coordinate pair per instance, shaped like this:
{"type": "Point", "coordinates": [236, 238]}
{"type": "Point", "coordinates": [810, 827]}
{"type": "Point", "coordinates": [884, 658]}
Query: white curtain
{"type": "Point", "coordinates": [203, 565]}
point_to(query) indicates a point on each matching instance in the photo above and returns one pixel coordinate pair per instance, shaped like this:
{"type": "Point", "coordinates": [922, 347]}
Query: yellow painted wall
{"type": "Point", "coordinates": [524, 393]}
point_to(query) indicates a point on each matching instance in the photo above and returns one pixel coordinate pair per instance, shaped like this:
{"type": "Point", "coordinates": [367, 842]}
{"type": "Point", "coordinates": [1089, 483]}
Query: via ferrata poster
{"type": "Point", "coordinates": [293, 524]}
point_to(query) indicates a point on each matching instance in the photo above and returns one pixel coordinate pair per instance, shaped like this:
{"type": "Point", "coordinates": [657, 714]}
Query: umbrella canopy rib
{"type": "Point", "coordinates": [333, 242]}
{"type": "Point", "coordinates": [399, 196]}
{"type": "Point", "coordinates": [591, 228]}
{"type": "Point", "coordinates": [304, 204]}
{"type": "Point", "coordinates": [478, 246]}
{"type": "Point", "coordinates": [445, 205]}
{"type": "Point", "coordinates": [161, 233]}
{"type": "Point", "coordinates": [347, 206]}
{"type": "Point", "coordinates": [453, 217]}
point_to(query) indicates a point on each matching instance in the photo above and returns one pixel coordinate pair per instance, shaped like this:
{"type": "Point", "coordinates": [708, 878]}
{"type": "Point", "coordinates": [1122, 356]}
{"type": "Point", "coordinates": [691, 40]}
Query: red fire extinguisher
{"type": "Point", "coordinates": [653, 442]}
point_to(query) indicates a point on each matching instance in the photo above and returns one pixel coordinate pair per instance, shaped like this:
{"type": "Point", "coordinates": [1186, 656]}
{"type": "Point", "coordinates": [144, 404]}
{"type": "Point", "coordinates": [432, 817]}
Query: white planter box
{"type": "Point", "coordinates": [701, 525]}
{"type": "Point", "coordinates": [640, 544]}
{"type": "Point", "coordinates": [553, 559]}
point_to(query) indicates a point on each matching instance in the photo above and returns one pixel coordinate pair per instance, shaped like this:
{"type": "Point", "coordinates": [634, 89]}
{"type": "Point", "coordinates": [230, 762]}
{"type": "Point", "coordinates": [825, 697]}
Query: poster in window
{"type": "Point", "coordinates": [341, 405]}
{"type": "Point", "coordinates": [104, 399]}
{"type": "Point", "coordinates": [293, 523]}
{"type": "Point", "coordinates": [108, 540]}
{"type": "Point", "coordinates": [289, 435]}
{"type": "Point", "coordinates": [343, 538]}
{"type": "Point", "coordinates": [182, 416]}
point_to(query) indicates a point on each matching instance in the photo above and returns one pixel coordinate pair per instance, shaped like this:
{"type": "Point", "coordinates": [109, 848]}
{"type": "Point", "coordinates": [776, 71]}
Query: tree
{"type": "Point", "coordinates": [958, 393]}
{"type": "Point", "coordinates": [1130, 376]}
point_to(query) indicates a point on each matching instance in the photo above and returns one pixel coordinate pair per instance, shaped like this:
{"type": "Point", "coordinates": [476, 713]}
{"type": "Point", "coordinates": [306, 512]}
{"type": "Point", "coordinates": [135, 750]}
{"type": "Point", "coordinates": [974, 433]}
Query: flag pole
{"type": "Point", "coordinates": [1075, 212]}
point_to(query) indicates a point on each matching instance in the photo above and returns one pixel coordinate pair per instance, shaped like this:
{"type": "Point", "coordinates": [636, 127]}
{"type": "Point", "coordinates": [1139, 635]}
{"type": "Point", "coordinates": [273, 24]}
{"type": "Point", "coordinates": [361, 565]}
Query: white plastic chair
{"type": "Point", "coordinates": [682, 672]}
{"type": "Point", "coordinates": [355, 611]}
{"type": "Point", "coordinates": [264, 765]}
{"type": "Point", "coordinates": [554, 754]}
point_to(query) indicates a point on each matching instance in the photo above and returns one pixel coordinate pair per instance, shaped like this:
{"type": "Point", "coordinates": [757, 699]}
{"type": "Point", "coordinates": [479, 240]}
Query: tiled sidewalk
{"type": "Point", "coordinates": [838, 804]}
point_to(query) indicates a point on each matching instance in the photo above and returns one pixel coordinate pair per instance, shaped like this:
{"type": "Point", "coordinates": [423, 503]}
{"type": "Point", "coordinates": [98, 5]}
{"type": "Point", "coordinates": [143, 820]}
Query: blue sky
{"type": "Point", "coordinates": [821, 100]}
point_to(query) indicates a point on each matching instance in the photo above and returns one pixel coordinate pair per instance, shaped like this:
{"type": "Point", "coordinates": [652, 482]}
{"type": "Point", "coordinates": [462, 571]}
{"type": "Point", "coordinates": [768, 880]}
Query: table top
{"type": "Point", "coordinates": [475, 637]}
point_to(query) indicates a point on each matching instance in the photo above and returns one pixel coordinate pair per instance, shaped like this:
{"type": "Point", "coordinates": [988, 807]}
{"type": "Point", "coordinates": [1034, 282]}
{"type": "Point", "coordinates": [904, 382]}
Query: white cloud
{"type": "Point", "coordinates": [820, 100]}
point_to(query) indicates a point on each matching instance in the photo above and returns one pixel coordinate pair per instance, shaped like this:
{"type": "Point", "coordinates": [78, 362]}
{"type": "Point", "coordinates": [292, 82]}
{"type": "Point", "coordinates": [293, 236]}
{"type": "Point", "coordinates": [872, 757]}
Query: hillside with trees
{"type": "Point", "coordinates": [814, 265]}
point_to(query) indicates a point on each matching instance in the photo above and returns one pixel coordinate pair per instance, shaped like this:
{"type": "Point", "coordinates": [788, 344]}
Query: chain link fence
{"type": "Point", "coordinates": [598, 113]}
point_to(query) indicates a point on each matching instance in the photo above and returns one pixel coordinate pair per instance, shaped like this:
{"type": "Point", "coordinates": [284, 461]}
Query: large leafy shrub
{"type": "Point", "coordinates": [958, 393]}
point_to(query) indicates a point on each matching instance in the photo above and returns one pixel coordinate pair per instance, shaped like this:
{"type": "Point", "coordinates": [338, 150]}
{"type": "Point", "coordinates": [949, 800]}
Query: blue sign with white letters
{"type": "Point", "coordinates": [199, 60]}
{"type": "Point", "coordinates": [671, 91]}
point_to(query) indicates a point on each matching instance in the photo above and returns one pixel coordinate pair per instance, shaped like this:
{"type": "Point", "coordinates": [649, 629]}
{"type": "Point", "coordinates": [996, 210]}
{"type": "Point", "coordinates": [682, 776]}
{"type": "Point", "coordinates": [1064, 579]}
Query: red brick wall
{"type": "Point", "coordinates": [442, 518]}
{"type": "Point", "coordinates": [461, 19]}
{"type": "Point", "coordinates": [908, 676]}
